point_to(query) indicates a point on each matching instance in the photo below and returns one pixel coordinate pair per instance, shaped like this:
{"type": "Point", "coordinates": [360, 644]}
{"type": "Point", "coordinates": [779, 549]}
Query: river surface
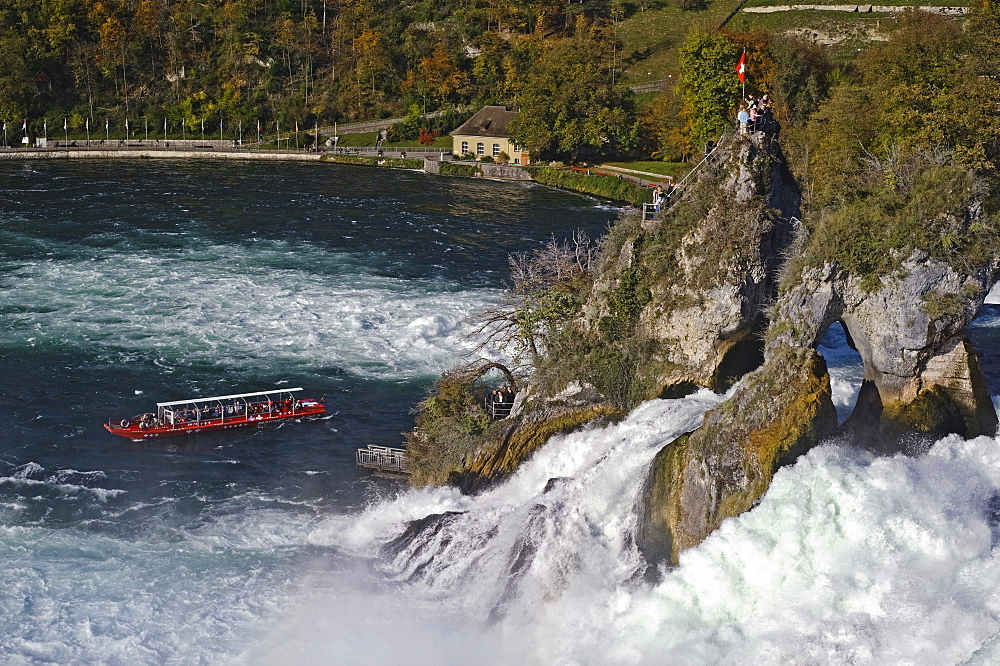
{"type": "Point", "coordinates": [123, 284]}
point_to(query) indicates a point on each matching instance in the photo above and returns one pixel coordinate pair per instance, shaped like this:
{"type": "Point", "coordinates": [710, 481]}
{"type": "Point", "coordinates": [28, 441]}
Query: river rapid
{"type": "Point", "coordinates": [123, 284]}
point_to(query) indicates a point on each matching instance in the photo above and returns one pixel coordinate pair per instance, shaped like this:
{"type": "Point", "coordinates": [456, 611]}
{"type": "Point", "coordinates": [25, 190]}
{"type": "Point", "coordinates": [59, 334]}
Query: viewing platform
{"type": "Point", "coordinates": [383, 460]}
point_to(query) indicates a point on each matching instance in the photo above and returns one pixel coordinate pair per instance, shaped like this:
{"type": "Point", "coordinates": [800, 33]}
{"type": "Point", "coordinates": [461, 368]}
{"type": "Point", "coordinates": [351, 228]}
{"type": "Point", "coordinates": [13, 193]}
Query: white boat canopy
{"type": "Point", "coordinates": [228, 397]}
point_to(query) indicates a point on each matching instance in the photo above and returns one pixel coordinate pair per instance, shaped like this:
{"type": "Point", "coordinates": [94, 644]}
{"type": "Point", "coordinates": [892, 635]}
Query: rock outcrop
{"type": "Point", "coordinates": [921, 375]}
{"type": "Point", "coordinates": [722, 468]}
{"type": "Point", "coordinates": [692, 299]}
{"type": "Point", "coordinates": [709, 266]}
{"type": "Point", "coordinates": [922, 380]}
{"type": "Point", "coordinates": [528, 429]}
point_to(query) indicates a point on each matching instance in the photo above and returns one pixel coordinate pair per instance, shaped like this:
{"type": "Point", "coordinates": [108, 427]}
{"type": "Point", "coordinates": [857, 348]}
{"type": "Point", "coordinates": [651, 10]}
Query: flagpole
{"type": "Point", "coordinates": [744, 81]}
{"type": "Point", "coordinates": [66, 132]}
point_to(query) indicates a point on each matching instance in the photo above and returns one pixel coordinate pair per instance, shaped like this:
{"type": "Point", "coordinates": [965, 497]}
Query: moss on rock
{"type": "Point", "coordinates": [724, 467]}
{"type": "Point", "coordinates": [501, 456]}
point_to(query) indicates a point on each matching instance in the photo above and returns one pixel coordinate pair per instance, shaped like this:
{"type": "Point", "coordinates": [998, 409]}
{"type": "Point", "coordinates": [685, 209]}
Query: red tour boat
{"type": "Point", "coordinates": [224, 411]}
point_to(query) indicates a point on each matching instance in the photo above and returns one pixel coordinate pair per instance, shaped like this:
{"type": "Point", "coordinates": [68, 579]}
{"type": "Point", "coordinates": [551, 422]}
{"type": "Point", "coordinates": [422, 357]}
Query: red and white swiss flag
{"type": "Point", "coordinates": [741, 67]}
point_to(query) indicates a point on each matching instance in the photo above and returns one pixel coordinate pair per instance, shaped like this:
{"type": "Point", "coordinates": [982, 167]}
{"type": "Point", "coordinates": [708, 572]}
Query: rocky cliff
{"type": "Point", "coordinates": [727, 281]}
{"type": "Point", "coordinates": [708, 269]}
{"type": "Point", "coordinates": [921, 374]}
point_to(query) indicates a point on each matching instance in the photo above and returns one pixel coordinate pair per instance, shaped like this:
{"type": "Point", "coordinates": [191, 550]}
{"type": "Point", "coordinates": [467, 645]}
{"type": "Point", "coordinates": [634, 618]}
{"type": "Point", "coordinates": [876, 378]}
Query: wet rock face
{"type": "Point", "coordinates": [722, 468]}
{"type": "Point", "coordinates": [908, 332]}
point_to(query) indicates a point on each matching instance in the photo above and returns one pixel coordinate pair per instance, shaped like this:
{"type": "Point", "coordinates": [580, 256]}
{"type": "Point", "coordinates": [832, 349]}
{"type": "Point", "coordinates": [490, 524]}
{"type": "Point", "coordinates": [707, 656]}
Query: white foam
{"type": "Point", "coordinates": [65, 482]}
{"type": "Point", "coordinates": [194, 592]}
{"type": "Point", "coordinates": [993, 298]}
{"type": "Point", "coordinates": [849, 558]}
{"type": "Point", "coordinates": [267, 304]}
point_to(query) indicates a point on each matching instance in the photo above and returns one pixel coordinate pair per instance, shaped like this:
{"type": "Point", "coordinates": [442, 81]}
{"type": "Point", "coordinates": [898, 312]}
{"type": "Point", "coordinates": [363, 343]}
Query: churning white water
{"type": "Point", "coordinates": [271, 303]}
{"type": "Point", "coordinates": [849, 558]}
{"type": "Point", "coordinates": [256, 547]}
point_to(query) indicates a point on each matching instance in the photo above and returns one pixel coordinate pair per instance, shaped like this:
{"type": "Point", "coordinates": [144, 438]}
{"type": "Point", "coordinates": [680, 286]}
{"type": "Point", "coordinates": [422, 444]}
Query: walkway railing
{"type": "Point", "coordinates": [383, 459]}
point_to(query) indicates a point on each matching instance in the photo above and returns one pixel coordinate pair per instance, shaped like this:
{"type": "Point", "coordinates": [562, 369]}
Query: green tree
{"type": "Point", "coordinates": [708, 85]}
{"type": "Point", "coordinates": [567, 103]}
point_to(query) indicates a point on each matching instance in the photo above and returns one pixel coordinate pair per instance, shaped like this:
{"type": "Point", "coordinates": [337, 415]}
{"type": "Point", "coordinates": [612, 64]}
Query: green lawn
{"type": "Point", "coordinates": [651, 38]}
{"type": "Point", "coordinates": [674, 169]}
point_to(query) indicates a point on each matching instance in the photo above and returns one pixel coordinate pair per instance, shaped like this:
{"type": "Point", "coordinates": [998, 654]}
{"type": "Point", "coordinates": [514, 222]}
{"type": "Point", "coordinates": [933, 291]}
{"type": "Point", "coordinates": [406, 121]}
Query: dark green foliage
{"type": "Point", "coordinates": [903, 154]}
{"type": "Point", "coordinates": [708, 85]}
{"type": "Point", "coordinates": [607, 187]}
{"type": "Point", "coordinates": [625, 301]}
{"type": "Point", "coordinates": [375, 161]}
{"type": "Point", "coordinates": [283, 61]}
{"type": "Point", "coordinates": [451, 169]}
{"type": "Point", "coordinates": [568, 102]}
{"type": "Point", "coordinates": [409, 129]}
{"type": "Point", "coordinates": [448, 426]}
{"type": "Point", "coordinates": [801, 80]}
{"type": "Point", "coordinates": [613, 369]}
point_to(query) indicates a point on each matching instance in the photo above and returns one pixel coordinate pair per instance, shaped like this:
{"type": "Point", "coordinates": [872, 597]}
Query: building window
{"type": "Point", "coordinates": [465, 147]}
{"type": "Point", "coordinates": [517, 160]}
{"type": "Point", "coordinates": [496, 149]}
{"type": "Point", "coordinates": [480, 149]}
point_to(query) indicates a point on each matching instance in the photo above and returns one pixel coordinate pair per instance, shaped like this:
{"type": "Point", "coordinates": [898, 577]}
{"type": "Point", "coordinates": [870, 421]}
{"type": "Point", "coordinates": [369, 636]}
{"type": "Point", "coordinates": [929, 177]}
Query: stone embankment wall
{"type": "Point", "coordinates": [503, 171]}
{"type": "Point", "coordinates": [861, 9]}
{"type": "Point", "coordinates": [135, 153]}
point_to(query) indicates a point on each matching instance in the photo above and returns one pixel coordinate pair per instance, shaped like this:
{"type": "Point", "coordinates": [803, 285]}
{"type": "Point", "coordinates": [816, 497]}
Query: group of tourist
{"type": "Point", "coordinates": [213, 412]}
{"type": "Point", "coordinates": [757, 115]}
{"type": "Point", "coordinates": [660, 195]}
{"type": "Point", "coordinates": [504, 395]}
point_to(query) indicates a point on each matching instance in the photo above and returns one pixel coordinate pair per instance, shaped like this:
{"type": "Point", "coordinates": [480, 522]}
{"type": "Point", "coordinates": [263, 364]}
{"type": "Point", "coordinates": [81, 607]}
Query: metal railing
{"type": "Point", "coordinates": [499, 409]}
{"type": "Point", "coordinates": [383, 459]}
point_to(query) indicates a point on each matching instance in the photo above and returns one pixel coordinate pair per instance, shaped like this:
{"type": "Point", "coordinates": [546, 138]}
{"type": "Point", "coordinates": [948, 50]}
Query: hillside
{"type": "Point", "coordinates": [883, 221]}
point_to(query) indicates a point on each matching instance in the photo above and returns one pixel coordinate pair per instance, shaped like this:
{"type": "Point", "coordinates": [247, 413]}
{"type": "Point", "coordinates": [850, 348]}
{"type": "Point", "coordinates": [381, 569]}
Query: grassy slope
{"type": "Point", "coordinates": [662, 168]}
{"type": "Point", "coordinates": [652, 38]}
{"type": "Point", "coordinates": [891, 3]}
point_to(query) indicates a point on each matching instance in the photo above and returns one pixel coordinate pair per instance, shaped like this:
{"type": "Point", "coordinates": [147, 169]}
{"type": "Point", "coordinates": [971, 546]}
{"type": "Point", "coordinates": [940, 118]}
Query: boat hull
{"type": "Point", "coordinates": [137, 432]}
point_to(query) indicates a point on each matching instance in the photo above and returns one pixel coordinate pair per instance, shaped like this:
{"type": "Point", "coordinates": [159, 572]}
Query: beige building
{"type": "Point", "coordinates": [486, 133]}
